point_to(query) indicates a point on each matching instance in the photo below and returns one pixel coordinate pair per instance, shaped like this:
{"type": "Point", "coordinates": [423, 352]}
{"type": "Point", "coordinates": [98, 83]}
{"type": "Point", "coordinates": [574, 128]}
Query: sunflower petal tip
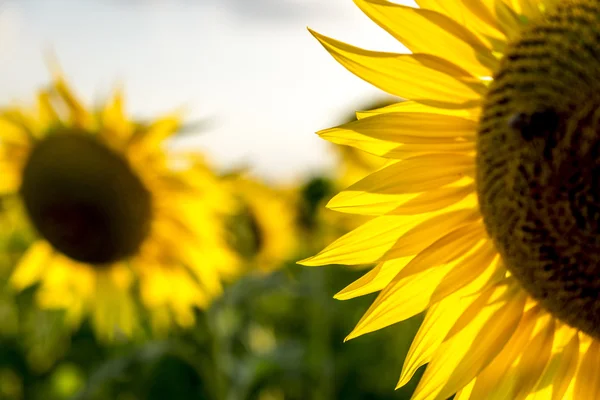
{"type": "Point", "coordinates": [404, 379]}
{"type": "Point", "coordinates": [356, 332]}
{"type": "Point", "coordinates": [52, 62]}
{"type": "Point", "coordinates": [323, 132]}
{"type": "Point", "coordinates": [340, 295]}
{"type": "Point", "coordinates": [322, 258]}
{"type": "Point", "coordinates": [307, 262]}
{"type": "Point", "coordinates": [321, 38]}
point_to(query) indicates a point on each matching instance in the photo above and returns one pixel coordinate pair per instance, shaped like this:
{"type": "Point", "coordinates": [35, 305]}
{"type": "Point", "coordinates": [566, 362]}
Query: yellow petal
{"type": "Point", "coordinates": [533, 361]}
{"type": "Point", "coordinates": [374, 280]}
{"type": "Point", "coordinates": [496, 380]}
{"type": "Point", "coordinates": [412, 106]}
{"type": "Point", "coordinates": [471, 14]}
{"type": "Point", "coordinates": [484, 346]}
{"type": "Point", "coordinates": [434, 200]}
{"type": "Point", "coordinates": [566, 371]}
{"type": "Point", "coordinates": [18, 127]}
{"type": "Point", "coordinates": [428, 235]}
{"type": "Point", "coordinates": [366, 244]}
{"type": "Point", "coordinates": [366, 203]}
{"type": "Point", "coordinates": [437, 323]}
{"type": "Point", "coordinates": [113, 307]}
{"type": "Point", "coordinates": [168, 285]}
{"type": "Point", "coordinates": [508, 19]}
{"type": "Point", "coordinates": [587, 383]}
{"type": "Point", "coordinates": [561, 367]}
{"type": "Point", "coordinates": [32, 265]}
{"type": "Point", "coordinates": [417, 174]}
{"type": "Point", "coordinates": [47, 113]}
{"type": "Point", "coordinates": [10, 180]}
{"type": "Point", "coordinates": [453, 9]}
{"type": "Point", "coordinates": [453, 306]}
{"type": "Point", "coordinates": [480, 263]}
{"type": "Point", "coordinates": [410, 127]}
{"type": "Point", "coordinates": [410, 293]}
{"type": "Point", "coordinates": [399, 135]}
{"type": "Point", "coordinates": [411, 150]}
{"type": "Point", "coordinates": [79, 116]}
{"type": "Point", "coordinates": [419, 77]}
{"type": "Point", "coordinates": [465, 393]}
{"type": "Point", "coordinates": [444, 37]}
{"type": "Point", "coordinates": [365, 143]}
{"type": "Point", "coordinates": [116, 128]}
{"type": "Point", "coordinates": [460, 195]}
{"type": "Point", "coordinates": [532, 9]}
{"type": "Point", "coordinates": [174, 234]}
{"type": "Point", "coordinates": [502, 300]}
{"type": "Point", "coordinates": [404, 299]}
{"type": "Point", "coordinates": [149, 139]}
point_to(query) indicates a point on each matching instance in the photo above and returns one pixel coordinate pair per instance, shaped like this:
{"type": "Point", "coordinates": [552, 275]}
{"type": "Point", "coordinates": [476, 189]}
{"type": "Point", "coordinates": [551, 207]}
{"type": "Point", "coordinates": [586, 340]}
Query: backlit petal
{"type": "Point", "coordinates": [503, 300]}
{"type": "Point", "coordinates": [587, 383]}
{"type": "Point", "coordinates": [31, 266]}
{"type": "Point", "coordinates": [437, 323]}
{"type": "Point", "coordinates": [362, 245]}
{"type": "Point", "coordinates": [417, 174]}
{"type": "Point", "coordinates": [445, 37]}
{"type": "Point", "coordinates": [419, 77]}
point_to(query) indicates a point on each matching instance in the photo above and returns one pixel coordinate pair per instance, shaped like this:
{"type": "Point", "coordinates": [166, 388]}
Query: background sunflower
{"type": "Point", "coordinates": [264, 228]}
{"type": "Point", "coordinates": [115, 213]}
{"type": "Point", "coordinates": [277, 334]}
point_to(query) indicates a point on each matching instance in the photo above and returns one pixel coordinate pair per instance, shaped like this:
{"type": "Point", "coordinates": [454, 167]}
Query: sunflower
{"type": "Point", "coordinates": [120, 221]}
{"type": "Point", "coordinates": [264, 229]}
{"type": "Point", "coordinates": [486, 213]}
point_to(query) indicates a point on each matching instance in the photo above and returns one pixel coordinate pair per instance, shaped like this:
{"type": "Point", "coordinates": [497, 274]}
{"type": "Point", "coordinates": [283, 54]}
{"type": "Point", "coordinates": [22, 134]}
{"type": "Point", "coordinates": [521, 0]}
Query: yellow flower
{"type": "Point", "coordinates": [115, 213]}
{"type": "Point", "coordinates": [486, 215]}
{"type": "Point", "coordinates": [265, 227]}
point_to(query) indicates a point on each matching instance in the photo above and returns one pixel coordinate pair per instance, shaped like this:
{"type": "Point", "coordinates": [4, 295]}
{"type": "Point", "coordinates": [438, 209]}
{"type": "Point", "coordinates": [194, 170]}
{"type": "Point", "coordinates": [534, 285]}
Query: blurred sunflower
{"type": "Point", "coordinates": [264, 230]}
{"type": "Point", "coordinates": [327, 225]}
{"type": "Point", "coordinates": [487, 212]}
{"type": "Point", "coordinates": [114, 211]}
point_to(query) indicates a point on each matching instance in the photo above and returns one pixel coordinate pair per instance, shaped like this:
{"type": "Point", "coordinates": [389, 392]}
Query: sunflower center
{"type": "Point", "coordinates": [539, 163]}
{"type": "Point", "coordinates": [247, 235]}
{"type": "Point", "coordinates": [84, 199]}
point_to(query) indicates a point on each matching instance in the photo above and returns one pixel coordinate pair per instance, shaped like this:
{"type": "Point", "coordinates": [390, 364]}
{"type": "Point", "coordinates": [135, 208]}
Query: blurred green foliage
{"type": "Point", "coordinates": [274, 337]}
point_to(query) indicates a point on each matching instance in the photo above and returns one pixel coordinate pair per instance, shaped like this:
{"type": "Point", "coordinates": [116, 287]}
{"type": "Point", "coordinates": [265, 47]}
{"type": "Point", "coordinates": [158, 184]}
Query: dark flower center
{"type": "Point", "coordinates": [84, 199]}
{"type": "Point", "coordinates": [539, 162]}
{"type": "Point", "coordinates": [247, 236]}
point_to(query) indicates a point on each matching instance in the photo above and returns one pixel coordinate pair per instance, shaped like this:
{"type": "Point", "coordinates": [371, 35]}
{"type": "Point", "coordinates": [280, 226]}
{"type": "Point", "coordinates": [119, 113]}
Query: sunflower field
{"type": "Point", "coordinates": [192, 291]}
{"type": "Point", "coordinates": [438, 238]}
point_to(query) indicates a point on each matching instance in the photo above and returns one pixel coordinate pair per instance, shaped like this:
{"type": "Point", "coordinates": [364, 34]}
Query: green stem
{"type": "Point", "coordinates": [320, 357]}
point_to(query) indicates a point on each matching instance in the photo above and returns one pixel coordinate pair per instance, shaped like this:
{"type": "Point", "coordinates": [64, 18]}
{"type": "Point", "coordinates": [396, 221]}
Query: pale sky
{"type": "Point", "coordinates": [250, 65]}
